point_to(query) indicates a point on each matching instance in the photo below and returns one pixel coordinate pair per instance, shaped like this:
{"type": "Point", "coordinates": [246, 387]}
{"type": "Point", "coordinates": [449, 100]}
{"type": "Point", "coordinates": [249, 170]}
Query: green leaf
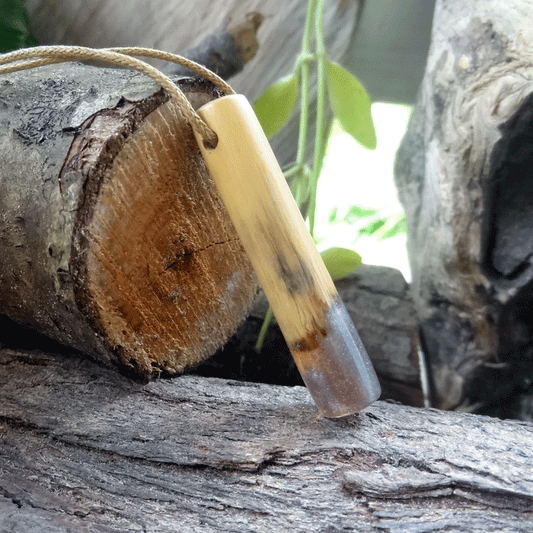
{"type": "Point", "coordinates": [340, 262]}
{"type": "Point", "coordinates": [274, 107]}
{"type": "Point", "coordinates": [351, 105]}
{"type": "Point", "coordinates": [373, 227]}
{"type": "Point", "coordinates": [356, 213]}
{"type": "Point", "coordinates": [14, 26]}
{"type": "Point", "coordinates": [399, 227]}
{"type": "Point", "coordinates": [333, 216]}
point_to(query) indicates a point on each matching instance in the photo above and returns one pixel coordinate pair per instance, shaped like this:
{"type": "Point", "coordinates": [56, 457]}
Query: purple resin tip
{"type": "Point", "coordinates": [338, 373]}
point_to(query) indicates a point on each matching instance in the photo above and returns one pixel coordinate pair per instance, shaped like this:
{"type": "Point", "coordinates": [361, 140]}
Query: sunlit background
{"type": "Point", "coordinates": [357, 203]}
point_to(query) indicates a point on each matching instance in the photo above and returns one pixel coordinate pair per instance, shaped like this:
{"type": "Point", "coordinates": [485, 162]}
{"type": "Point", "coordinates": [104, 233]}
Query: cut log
{"type": "Point", "coordinates": [113, 237]}
{"type": "Point", "coordinates": [464, 175]}
{"type": "Point", "coordinates": [179, 26]}
{"type": "Point", "coordinates": [84, 449]}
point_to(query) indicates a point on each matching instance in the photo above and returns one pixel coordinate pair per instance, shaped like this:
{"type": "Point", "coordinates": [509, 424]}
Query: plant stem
{"type": "Point", "coordinates": [264, 328]}
{"type": "Point", "coordinates": [321, 60]}
{"type": "Point", "coordinates": [304, 83]}
{"type": "Point", "coordinates": [303, 66]}
{"type": "Point", "coordinates": [292, 171]}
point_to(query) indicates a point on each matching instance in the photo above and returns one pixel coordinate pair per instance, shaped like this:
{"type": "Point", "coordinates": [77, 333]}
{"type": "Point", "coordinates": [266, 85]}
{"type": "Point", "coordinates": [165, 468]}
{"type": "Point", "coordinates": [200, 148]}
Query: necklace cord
{"type": "Point", "coordinates": [37, 56]}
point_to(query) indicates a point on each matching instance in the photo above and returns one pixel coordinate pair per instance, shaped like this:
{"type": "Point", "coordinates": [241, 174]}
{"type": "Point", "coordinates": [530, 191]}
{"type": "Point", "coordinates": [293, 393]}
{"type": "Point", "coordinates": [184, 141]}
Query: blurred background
{"type": "Point", "coordinates": [383, 42]}
{"type": "Point", "coordinates": [357, 202]}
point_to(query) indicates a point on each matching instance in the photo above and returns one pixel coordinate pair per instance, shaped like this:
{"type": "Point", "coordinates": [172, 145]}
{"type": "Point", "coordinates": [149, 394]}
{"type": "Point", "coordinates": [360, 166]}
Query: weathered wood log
{"type": "Point", "coordinates": [178, 26]}
{"type": "Point", "coordinates": [378, 301]}
{"type": "Point", "coordinates": [113, 237]}
{"type": "Point", "coordinates": [464, 176]}
{"type": "Point", "coordinates": [84, 449]}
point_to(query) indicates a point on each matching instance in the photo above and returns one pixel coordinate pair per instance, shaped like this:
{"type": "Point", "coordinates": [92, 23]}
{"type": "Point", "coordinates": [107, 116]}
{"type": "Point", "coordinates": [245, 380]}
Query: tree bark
{"type": "Point", "coordinates": [114, 240]}
{"type": "Point", "coordinates": [177, 27]}
{"type": "Point", "coordinates": [464, 177]}
{"type": "Point", "coordinates": [85, 449]}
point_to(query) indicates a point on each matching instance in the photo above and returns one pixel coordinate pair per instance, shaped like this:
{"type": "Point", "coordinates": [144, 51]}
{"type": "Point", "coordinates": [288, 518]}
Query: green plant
{"type": "Point", "coordinates": [349, 103]}
{"type": "Point", "coordinates": [347, 98]}
{"type": "Point", "coordinates": [14, 26]}
{"type": "Point", "coordinates": [381, 224]}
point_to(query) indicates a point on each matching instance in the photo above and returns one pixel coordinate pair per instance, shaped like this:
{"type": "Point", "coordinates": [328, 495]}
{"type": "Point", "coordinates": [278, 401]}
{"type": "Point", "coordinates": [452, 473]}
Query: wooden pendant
{"type": "Point", "coordinates": [314, 322]}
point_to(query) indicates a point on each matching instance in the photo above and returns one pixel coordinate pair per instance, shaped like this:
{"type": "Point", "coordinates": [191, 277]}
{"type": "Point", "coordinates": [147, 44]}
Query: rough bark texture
{"type": "Point", "coordinates": [113, 238]}
{"type": "Point", "coordinates": [378, 301]}
{"type": "Point", "coordinates": [464, 176]}
{"type": "Point", "coordinates": [85, 449]}
{"type": "Point", "coordinates": [178, 26]}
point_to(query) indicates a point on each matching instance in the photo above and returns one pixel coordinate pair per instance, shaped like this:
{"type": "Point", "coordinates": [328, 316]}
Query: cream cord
{"type": "Point", "coordinates": [46, 55]}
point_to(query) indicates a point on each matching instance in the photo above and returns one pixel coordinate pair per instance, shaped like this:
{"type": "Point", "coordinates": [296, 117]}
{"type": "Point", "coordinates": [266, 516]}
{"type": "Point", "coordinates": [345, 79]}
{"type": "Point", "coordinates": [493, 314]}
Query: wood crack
{"type": "Point", "coordinates": [186, 255]}
{"type": "Point", "coordinates": [12, 497]}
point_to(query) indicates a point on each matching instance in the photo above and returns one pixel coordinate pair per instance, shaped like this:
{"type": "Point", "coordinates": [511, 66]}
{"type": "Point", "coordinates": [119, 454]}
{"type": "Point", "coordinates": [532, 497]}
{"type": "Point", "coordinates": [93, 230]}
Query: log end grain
{"type": "Point", "coordinates": [160, 271]}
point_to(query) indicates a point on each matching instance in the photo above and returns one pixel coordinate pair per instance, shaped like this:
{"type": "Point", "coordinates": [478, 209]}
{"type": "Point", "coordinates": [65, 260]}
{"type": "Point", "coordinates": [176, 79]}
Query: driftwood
{"type": "Point", "coordinates": [464, 178]}
{"type": "Point", "coordinates": [84, 449]}
{"type": "Point", "coordinates": [113, 237]}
